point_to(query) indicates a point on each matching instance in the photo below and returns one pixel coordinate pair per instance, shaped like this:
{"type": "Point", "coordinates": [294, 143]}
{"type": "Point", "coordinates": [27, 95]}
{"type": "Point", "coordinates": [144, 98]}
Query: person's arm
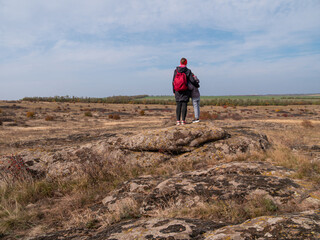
{"type": "Point", "coordinates": [174, 74]}
{"type": "Point", "coordinates": [192, 80]}
{"type": "Point", "coordinates": [197, 80]}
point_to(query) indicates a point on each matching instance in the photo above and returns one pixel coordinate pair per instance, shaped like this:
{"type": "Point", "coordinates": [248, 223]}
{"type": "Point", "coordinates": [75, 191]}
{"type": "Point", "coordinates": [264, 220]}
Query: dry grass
{"type": "Point", "coordinates": [88, 114]}
{"type": "Point", "coordinates": [142, 113]}
{"type": "Point", "coordinates": [30, 114]}
{"type": "Point", "coordinates": [66, 198]}
{"type": "Point", "coordinates": [306, 124]}
{"type": "Point", "coordinates": [303, 166]}
{"type": "Point", "coordinates": [208, 116]}
{"type": "Point", "coordinates": [49, 118]}
{"type": "Point", "coordinates": [230, 211]}
{"type": "Point", "coordinates": [114, 116]}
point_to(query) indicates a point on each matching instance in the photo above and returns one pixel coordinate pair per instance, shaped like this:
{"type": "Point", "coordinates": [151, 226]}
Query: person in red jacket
{"type": "Point", "coordinates": [182, 97]}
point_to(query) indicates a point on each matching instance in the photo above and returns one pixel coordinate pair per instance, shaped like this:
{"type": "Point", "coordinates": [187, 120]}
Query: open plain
{"type": "Point", "coordinates": [125, 171]}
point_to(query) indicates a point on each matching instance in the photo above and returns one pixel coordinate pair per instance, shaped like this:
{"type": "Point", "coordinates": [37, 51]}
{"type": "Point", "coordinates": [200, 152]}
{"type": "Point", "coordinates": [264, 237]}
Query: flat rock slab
{"type": "Point", "coordinates": [230, 181]}
{"type": "Point", "coordinates": [305, 225]}
{"type": "Point", "coordinates": [172, 139]}
{"type": "Point", "coordinates": [154, 228]}
{"type": "Point", "coordinates": [173, 229]}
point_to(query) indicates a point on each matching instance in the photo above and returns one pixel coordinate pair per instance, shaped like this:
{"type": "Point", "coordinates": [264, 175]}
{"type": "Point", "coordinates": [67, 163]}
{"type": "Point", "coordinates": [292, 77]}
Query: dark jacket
{"type": "Point", "coordinates": [194, 90]}
{"type": "Point", "coordinates": [183, 96]}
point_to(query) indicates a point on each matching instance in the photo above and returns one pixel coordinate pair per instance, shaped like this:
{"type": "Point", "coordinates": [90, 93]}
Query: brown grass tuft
{"type": "Point", "coordinates": [88, 114]}
{"type": "Point", "coordinates": [114, 116]}
{"type": "Point", "coordinates": [306, 123]}
{"type": "Point", "coordinates": [49, 118]}
{"type": "Point", "coordinates": [30, 114]}
{"type": "Point", "coordinates": [142, 113]}
{"type": "Point", "coordinates": [231, 211]}
{"type": "Point", "coordinates": [208, 116]}
{"type": "Point", "coordinates": [304, 167]}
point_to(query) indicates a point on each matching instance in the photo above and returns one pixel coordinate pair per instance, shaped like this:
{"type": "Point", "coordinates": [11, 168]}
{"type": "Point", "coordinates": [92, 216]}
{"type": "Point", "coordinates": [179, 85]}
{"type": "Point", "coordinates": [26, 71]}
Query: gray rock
{"type": "Point", "coordinates": [230, 181]}
{"type": "Point", "coordinates": [171, 139]}
{"type": "Point", "coordinates": [305, 225]}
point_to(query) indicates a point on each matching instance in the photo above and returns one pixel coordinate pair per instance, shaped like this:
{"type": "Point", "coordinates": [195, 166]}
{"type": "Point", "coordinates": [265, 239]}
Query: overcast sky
{"type": "Point", "coordinates": [102, 48]}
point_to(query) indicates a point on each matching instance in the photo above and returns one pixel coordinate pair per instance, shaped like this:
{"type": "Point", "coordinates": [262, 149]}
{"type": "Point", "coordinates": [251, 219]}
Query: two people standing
{"type": "Point", "coordinates": [185, 85]}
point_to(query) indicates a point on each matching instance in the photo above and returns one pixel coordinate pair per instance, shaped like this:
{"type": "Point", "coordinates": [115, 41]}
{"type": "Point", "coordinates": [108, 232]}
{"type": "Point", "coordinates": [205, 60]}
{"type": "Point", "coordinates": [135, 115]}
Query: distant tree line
{"type": "Point", "coordinates": [214, 101]}
{"type": "Point", "coordinates": [114, 99]}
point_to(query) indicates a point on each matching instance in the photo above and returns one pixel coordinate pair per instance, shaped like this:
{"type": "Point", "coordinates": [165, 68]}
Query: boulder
{"type": "Point", "coordinates": [305, 225]}
{"type": "Point", "coordinates": [171, 139]}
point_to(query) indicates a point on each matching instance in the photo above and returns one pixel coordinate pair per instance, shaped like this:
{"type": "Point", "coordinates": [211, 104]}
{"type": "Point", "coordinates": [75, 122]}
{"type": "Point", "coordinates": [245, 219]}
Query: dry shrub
{"type": "Point", "coordinates": [30, 114]}
{"type": "Point", "coordinates": [15, 170]}
{"type": "Point", "coordinates": [208, 116]}
{"type": "Point", "coordinates": [20, 187]}
{"type": "Point", "coordinates": [142, 113]}
{"type": "Point", "coordinates": [306, 123]}
{"type": "Point", "coordinates": [114, 116]}
{"type": "Point", "coordinates": [236, 116]}
{"type": "Point", "coordinates": [88, 114]}
{"type": "Point", "coordinates": [49, 118]}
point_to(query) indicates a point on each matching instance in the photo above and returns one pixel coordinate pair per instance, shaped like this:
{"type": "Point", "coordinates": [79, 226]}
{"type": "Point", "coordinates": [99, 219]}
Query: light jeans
{"type": "Point", "coordinates": [196, 107]}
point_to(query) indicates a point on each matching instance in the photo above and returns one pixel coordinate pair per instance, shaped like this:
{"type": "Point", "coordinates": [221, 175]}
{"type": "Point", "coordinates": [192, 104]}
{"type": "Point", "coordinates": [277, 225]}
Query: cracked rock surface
{"type": "Point", "coordinates": [305, 225]}
{"type": "Point", "coordinates": [229, 181]}
{"type": "Point", "coordinates": [171, 139]}
{"type": "Point", "coordinates": [200, 142]}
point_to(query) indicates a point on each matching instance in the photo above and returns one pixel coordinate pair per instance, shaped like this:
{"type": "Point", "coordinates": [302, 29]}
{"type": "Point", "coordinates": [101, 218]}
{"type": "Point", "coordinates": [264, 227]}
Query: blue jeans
{"type": "Point", "coordinates": [196, 107]}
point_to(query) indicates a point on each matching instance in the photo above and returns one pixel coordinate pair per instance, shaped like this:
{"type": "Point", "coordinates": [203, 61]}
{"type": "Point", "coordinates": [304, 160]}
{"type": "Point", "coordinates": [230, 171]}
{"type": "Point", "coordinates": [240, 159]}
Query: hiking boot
{"type": "Point", "coordinates": [183, 122]}
{"type": "Point", "coordinates": [178, 123]}
{"type": "Point", "coordinates": [196, 121]}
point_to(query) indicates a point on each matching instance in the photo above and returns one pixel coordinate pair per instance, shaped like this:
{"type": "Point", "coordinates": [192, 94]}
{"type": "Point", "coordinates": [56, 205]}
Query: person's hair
{"type": "Point", "coordinates": [183, 61]}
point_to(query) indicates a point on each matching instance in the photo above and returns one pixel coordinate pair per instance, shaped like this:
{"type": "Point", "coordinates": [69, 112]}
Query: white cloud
{"type": "Point", "coordinates": [102, 44]}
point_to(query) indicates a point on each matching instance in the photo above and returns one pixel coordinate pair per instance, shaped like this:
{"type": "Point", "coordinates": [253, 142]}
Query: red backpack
{"type": "Point", "coordinates": [180, 82]}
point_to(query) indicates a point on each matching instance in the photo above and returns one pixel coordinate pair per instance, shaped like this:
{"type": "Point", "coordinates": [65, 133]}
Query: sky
{"type": "Point", "coordinates": [102, 48]}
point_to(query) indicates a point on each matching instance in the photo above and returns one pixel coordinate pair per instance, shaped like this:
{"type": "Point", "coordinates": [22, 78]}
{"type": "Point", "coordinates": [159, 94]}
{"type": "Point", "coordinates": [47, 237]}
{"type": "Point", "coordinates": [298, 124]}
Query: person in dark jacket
{"type": "Point", "coordinates": [182, 97]}
{"type": "Point", "coordinates": [195, 95]}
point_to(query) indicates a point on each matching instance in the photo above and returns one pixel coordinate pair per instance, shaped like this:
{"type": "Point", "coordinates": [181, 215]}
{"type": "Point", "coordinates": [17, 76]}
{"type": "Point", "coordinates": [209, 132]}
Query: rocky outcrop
{"type": "Point", "coordinates": [171, 139]}
{"type": "Point", "coordinates": [158, 229]}
{"type": "Point", "coordinates": [231, 181]}
{"type": "Point", "coordinates": [200, 142]}
{"type": "Point", "coordinates": [150, 198]}
{"type": "Point", "coordinates": [305, 225]}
